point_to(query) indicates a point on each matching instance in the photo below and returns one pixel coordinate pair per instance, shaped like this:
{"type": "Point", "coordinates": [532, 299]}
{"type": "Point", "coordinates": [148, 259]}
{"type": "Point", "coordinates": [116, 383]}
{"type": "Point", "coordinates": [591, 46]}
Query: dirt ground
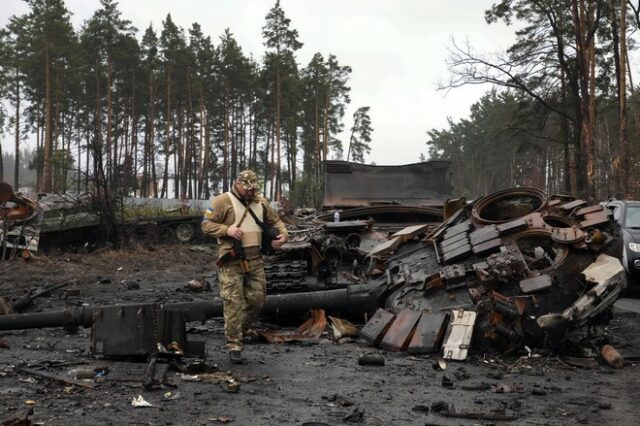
{"type": "Point", "coordinates": [312, 383]}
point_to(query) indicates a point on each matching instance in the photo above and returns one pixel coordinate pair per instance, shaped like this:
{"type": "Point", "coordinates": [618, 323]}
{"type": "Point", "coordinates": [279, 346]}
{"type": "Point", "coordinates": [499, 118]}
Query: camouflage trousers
{"type": "Point", "coordinates": [243, 294]}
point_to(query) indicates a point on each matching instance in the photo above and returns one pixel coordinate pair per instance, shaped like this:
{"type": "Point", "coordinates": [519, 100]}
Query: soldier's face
{"type": "Point", "coordinates": [247, 194]}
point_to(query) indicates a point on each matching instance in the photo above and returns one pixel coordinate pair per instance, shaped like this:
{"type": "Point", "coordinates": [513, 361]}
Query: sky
{"type": "Point", "coordinates": [396, 48]}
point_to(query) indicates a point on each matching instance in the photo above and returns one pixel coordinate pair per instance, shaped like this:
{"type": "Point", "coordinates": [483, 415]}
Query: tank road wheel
{"type": "Point", "coordinates": [185, 232]}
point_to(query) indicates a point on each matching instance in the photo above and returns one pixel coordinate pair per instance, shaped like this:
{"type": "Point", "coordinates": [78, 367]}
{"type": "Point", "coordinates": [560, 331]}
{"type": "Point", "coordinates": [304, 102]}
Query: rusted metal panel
{"type": "Point", "coordinates": [512, 226]}
{"type": "Point", "coordinates": [594, 219]}
{"type": "Point", "coordinates": [375, 329]}
{"type": "Point", "coordinates": [458, 341]}
{"type": "Point", "coordinates": [401, 331]}
{"type": "Point", "coordinates": [351, 184]}
{"type": "Point", "coordinates": [411, 232]}
{"type": "Point", "coordinates": [567, 235]}
{"type": "Point", "coordinates": [429, 333]}
{"type": "Point", "coordinates": [590, 209]}
{"type": "Point", "coordinates": [573, 204]}
{"type": "Point", "coordinates": [107, 337]}
{"type": "Point", "coordinates": [311, 329]}
{"type": "Point", "coordinates": [386, 247]}
{"type": "Point", "coordinates": [507, 205]}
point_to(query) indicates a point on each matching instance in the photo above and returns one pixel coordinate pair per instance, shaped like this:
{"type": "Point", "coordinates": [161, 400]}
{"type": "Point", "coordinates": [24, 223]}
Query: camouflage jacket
{"type": "Point", "coordinates": [221, 215]}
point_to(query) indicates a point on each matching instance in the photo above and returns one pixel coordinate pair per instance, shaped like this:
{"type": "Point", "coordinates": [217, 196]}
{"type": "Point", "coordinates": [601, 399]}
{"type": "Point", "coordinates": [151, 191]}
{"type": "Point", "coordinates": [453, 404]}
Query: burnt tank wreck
{"type": "Point", "coordinates": [514, 269]}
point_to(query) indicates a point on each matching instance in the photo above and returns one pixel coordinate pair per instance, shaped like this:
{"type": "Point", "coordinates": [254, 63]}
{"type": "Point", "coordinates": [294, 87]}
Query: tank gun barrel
{"type": "Point", "coordinates": [351, 300]}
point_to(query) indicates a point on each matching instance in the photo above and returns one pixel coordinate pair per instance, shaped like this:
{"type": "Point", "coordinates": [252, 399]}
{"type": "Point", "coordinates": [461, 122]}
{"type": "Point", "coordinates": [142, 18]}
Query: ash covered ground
{"type": "Point", "coordinates": [314, 383]}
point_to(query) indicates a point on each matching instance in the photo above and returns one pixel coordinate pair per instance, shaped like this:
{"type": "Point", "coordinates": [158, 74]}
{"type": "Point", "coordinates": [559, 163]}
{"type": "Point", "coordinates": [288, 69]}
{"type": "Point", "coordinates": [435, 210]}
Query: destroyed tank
{"type": "Point", "coordinates": [513, 269]}
{"type": "Point", "coordinates": [373, 203]}
{"type": "Point", "coordinates": [530, 268]}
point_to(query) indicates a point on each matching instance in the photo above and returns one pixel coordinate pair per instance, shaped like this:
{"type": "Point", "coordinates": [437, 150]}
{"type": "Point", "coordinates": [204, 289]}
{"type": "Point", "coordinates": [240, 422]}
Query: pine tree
{"type": "Point", "coordinates": [284, 43]}
{"type": "Point", "coordinates": [360, 135]}
{"type": "Point", "coordinates": [52, 39]}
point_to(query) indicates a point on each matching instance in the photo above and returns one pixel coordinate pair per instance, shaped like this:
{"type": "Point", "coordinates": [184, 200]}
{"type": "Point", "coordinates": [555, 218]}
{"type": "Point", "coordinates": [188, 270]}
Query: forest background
{"type": "Point", "coordinates": [168, 112]}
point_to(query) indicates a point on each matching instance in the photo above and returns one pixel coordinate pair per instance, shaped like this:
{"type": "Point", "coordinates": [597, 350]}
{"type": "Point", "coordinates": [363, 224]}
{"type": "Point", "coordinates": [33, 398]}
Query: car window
{"type": "Point", "coordinates": [632, 217]}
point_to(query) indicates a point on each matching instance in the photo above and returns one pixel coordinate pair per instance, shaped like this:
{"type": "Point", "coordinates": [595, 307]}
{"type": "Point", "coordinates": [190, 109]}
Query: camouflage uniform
{"type": "Point", "coordinates": [243, 293]}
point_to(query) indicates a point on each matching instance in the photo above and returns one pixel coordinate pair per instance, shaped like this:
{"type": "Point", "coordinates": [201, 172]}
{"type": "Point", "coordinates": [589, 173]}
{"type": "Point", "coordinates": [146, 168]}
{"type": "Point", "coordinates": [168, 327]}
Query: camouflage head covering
{"type": "Point", "coordinates": [248, 180]}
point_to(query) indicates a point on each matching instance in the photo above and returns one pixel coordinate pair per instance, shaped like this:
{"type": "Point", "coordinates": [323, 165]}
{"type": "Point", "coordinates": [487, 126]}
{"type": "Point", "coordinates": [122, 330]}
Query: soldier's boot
{"type": "Point", "coordinates": [235, 357]}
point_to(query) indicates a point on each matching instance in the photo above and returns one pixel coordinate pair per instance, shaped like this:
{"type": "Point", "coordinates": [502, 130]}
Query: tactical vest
{"type": "Point", "coordinates": [252, 234]}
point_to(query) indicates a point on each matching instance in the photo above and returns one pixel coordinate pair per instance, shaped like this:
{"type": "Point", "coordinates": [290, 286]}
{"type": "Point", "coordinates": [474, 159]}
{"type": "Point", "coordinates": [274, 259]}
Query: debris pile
{"type": "Point", "coordinates": [514, 268]}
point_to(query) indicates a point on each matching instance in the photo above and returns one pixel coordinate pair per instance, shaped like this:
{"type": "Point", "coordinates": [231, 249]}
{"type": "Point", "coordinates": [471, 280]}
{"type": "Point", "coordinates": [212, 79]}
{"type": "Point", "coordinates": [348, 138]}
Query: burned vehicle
{"type": "Point", "coordinates": [20, 221]}
{"type": "Point", "coordinates": [515, 269]}
{"type": "Point", "coordinates": [362, 206]}
{"type": "Point", "coordinates": [59, 220]}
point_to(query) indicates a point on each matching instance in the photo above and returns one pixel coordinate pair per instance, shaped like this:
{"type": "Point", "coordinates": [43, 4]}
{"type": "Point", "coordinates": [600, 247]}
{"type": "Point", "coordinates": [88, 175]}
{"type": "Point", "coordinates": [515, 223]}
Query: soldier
{"type": "Point", "coordinates": [243, 221]}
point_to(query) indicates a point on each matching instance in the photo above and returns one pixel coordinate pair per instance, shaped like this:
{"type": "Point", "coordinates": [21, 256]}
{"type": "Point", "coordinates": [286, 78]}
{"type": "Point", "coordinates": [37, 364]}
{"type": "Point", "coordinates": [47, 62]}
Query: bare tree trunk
{"type": "Point", "coordinates": [225, 146]}
{"type": "Point", "coordinates": [88, 151]}
{"type": "Point", "coordinates": [1, 163]}
{"type": "Point", "coordinates": [205, 172]}
{"type": "Point", "coordinates": [110, 168]}
{"type": "Point", "coordinates": [234, 143]}
{"type": "Point", "coordinates": [189, 140]}
{"type": "Point", "coordinates": [204, 148]}
{"type": "Point", "coordinates": [315, 172]}
{"type": "Point", "coordinates": [267, 171]}
{"type": "Point", "coordinates": [242, 143]}
{"type": "Point", "coordinates": [592, 112]}
{"type": "Point", "coordinates": [57, 132]}
{"type": "Point", "coordinates": [16, 171]}
{"type": "Point", "coordinates": [584, 40]}
{"type": "Point", "coordinates": [45, 185]}
{"type": "Point", "coordinates": [256, 124]}
{"type": "Point", "coordinates": [622, 99]}
{"type": "Point", "coordinates": [134, 140]}
{"type": "Point", "coordinates": [273, 165]}
{"type": "Point", "coordinates": [177, 152]}
{"type": "Point", "coordinates": [152, 136]}
{"type": "Point", "coordinates": [570, 178]}
{"type": "Point", "coordinates": [79, 154]}
{"type": "Point", "coordinates": [167, 142]}
{"type": "Point", "coordinates": [326, 125]}
{"type": "Point", "coordinates": [277, 171]}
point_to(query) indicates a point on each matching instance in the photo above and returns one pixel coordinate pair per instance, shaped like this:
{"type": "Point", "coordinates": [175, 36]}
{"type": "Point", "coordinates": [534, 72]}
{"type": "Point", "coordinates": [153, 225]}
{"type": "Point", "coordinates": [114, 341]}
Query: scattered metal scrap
{"type": "Point", "coordinates": [10, 307]}
{"type": "Point", "coordinates": [372, 202]}
{"type": "Point", "coordinates": [532, 268]}
{"type": "Point", "coordinates": [514, 268]}
{"type": "Point", "coordinates": [59, 378]}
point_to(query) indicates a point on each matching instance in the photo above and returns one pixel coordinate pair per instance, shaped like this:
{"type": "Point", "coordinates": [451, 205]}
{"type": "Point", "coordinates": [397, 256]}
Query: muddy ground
{"type": "Point", "coordinates": [314, 383]}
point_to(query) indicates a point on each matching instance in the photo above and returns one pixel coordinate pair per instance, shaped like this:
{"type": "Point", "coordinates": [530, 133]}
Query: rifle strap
{"type": "Point", "coordinates": [253, 215]}
{"type": "Point", "coordinates": [244, 215]}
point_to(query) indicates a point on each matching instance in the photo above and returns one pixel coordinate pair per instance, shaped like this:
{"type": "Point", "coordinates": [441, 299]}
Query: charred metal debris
{"type": "Point", "coordinates": [515, 268]}
{"type": "Point", "coordinates": [20, 221]}
{"type": "Point", "coordinates": [511, 270]}
{"type": "Point", "coordinates": [60, 220]}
